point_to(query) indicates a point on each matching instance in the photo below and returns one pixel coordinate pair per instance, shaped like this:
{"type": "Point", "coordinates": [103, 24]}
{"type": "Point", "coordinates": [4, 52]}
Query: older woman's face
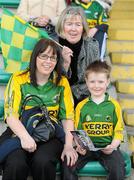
{"type": "Point", "coordinates": [46, 62]}
{"type": "Point", "coordinates": [73, 29]}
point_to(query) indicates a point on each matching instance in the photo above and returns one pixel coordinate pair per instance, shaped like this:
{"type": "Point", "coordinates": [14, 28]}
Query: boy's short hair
{"type": "Point", "coordinates": [69, 12]}
{"type": "Point", "coordinates": [98, 67]}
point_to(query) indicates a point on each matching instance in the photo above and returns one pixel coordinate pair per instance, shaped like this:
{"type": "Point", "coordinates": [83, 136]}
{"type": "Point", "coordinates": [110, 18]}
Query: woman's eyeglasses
{"type": "Point", "coordinates": [46, 57]}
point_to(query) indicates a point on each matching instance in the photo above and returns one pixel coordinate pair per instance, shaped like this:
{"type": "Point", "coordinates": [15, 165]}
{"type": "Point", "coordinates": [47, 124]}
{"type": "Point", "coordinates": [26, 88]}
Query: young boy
{"type": "Point", "coordinates": [101, 117]}
{"type": "Point", "coordinates": [96, 12]}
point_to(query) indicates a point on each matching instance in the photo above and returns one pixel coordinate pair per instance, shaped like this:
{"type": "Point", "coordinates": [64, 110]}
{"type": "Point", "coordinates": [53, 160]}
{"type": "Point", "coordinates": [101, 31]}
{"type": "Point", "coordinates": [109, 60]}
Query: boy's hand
{"type": "Point", "coordinates": [79, 149]}
{"type": "Point", "coordinates": [108, 149]}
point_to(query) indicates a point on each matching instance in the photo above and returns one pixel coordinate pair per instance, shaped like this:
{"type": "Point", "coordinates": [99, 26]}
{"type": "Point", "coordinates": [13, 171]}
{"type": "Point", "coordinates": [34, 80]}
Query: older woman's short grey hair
{"type": "Point", "coordinates": [69, 12]}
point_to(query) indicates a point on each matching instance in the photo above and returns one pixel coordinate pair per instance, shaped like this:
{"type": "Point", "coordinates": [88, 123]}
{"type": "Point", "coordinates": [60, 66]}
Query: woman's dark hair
{"type": "Point", "coordinates": [40, 47]}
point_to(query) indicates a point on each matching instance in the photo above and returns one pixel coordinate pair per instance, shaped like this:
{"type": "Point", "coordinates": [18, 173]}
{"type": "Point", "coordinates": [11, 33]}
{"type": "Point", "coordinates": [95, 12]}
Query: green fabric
{"type": "Point", "coordinates": [95, 13]}
{"type": "Point", "coordinates": [18, 39]}
{"type": "Point", "coordinates": [1, 108]}
{"type": "Point", "coordinates": [94, 168]}
{"type": "Point", "coordinates": [98, 120]}
{"type": "Point", "coordinates": [53, 99]}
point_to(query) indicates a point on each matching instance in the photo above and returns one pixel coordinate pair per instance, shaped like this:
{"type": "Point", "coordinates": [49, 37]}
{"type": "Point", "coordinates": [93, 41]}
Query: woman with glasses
{"type": "Point", "coordinates": [43, 78]}
{"type": "Point", "coordinates": [78, 49]}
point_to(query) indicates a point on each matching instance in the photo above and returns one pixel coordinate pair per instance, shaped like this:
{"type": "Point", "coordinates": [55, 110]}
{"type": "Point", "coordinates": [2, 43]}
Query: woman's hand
{"type": "Point", "coordinates": [71, 155]}
{"type": "Point", "coordinates": [28, 143]}
{"type": "Point", "coordinates": [66, 54]}
{"type": "Point", "coordinates": [92, 32]}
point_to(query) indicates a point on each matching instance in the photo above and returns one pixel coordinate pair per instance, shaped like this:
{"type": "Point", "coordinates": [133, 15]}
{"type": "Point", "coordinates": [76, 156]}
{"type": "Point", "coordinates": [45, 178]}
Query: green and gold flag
{"type": "Point", "coordinates": [18, 39]}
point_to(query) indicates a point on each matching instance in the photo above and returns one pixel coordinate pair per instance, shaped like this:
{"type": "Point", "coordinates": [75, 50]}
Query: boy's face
{"type": "Point", "coordinates": [97, 84]}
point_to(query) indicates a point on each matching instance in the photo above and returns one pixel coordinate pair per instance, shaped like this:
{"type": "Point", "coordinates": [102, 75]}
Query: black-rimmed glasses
{"type": "Point", "coordinates": [46, 57]}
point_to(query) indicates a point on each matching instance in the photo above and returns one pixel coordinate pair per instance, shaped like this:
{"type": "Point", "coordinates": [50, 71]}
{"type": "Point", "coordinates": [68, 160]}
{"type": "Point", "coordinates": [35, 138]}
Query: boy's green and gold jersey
{"type": "Point", "coordinates": [102, 122]}
{"type": "Point", "coordinates": [57, 98]}
{"type": "Point", "coordinates": [95, 13]}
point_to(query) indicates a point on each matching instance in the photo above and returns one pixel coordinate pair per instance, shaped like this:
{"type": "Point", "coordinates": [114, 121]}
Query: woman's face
{"type": "Point", "coordinates": [45, 62]}
{"type": "Point", "coordinates": [73, 29]}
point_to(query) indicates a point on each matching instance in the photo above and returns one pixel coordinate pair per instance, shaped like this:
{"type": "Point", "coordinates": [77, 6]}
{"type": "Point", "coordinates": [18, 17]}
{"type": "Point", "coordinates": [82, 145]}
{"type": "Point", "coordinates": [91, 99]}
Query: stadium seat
{"type": "Point", "coordinates": [1, 109]}
{"type": "Point", "coordinates": [4, 77]}
{"type": "Point", "coordinates": [9, 3]}
{"type": "Point", "coordinates": [0, 37]}
{"type": "Point", "coordinates": [94, 168]}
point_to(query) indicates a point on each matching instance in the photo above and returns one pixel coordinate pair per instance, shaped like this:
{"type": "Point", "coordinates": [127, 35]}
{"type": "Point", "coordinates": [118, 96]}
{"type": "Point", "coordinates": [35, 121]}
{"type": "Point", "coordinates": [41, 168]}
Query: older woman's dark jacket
{"type": "Point", "coordinates": [89, 52]}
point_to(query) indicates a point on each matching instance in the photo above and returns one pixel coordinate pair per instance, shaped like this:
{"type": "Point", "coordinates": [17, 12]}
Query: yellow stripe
{"type": "Point", "coordinates": [19, 19]}
{"type": "Point", "coordinates": [102, 22]}
{"type": "Point", "coordinates": [77, 112]}
{"type": "Point", "coordinates": [68, 98]}
{"type": "Point", "coordinates": [86, 6]}
{"type": "Point", "coordinates": [24, 22]}
{"type": "Point", "coordinates": [118, 130]}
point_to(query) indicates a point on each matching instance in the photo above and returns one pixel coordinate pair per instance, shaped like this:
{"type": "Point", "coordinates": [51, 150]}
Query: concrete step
{"type": "Point", "coordinates": [122, 72]}
{"type": "Point", "coordinates": [121, 14]}
{"type": "Point", "coordinates": [130, 130]}
{"type": "Point", "coordinates": [120, 46]}
{"type": "Point", "coordinates": [125, 86]}
{"type": "Point", "coordinates": [1, 62]}
{"type": "Point", "coordinates": [121, 34]}
{"type": "Point", "coordinates": [2, 90]}
{"type": "Point", "coordinates": [86, 178]}
{"type": "Point", "coordinates": [121, 23]}
{"type": "Point", "coordinates": [2, 127]}
{"type": "Point", "coordinates": [128, 116]}
{"type": "Point", "coordinates": [125, 5]}
{"type": "Point", "coordinates": [125, 1]}
{"type": "Point", "coordinates": [126, 101]}
{"type": "Point", "coordinates": [122, 58]}
{"type": "Point", "coordinates": [131, 142]}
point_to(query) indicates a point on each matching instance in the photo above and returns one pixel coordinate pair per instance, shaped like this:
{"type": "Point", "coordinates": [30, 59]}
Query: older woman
{"type": "Point", "coordinates": [79, 50]}
{"type": "Point", "coordinates": [43, 78]}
